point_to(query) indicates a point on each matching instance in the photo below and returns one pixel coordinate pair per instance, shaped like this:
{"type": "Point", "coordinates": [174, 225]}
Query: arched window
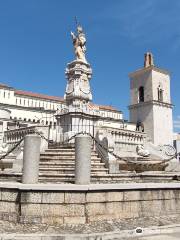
{"type": "Point", "coordinates": [160, 94]}
{"type": "Point", "coordinates": [141, 94]}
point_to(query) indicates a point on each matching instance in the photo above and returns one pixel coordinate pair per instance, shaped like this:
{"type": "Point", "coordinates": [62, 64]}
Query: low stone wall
{"type": "Point", "coordinates": [74, 204]}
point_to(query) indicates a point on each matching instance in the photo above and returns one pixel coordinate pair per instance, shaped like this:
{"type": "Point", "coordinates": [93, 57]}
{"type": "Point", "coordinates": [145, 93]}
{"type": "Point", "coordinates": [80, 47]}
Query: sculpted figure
{"type": "Point", "coordinates": [141, 151]}
{"type": "Point", "coordinates": [79, 43]}
{"type": "Point", "coordinates": [3, 148]}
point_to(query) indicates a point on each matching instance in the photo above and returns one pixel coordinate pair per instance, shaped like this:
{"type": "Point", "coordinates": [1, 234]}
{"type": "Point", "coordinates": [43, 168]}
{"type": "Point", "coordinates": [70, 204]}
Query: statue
{"type": "Point", "coordinates": [3, 148]}
{"type": "Point", "coordinates": [79, 43]}
{"type": "Point", "coordinates": [142, 152]}
{"type": "Point", "coordinates": [139, 126]}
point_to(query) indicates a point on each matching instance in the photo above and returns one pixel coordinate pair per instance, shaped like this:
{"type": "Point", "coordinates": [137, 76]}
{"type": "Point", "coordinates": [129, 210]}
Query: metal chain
{"type": "Point", "coordinates": [12, 149]}
{"type": "Point", "coordinates": [115, 155]}
{"type": "Point", "coordinates": [94, 139]}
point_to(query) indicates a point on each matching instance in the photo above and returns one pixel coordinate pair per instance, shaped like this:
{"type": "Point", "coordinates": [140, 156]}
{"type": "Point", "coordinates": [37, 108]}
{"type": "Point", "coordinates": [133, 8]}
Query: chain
{"type": "Point", "coordinates": [42, 136]}
{"type": "Point", "coordinates": [94, 139]}
{"type": "Point", "coordinates": [115, 155]}
{"type": "Point", "coordinates": [12, 149]}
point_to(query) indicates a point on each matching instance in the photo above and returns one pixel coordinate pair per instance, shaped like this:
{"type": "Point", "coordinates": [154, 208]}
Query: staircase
{"type": "Point", "coordinates": [58, 165]}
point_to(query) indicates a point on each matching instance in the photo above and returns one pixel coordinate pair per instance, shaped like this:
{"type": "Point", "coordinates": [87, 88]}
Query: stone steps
{"type": "Point", "coordinates": [47, 157]}
{"type": "Point", "coordinates": [64, 154]}
{"type": "Point", "coordinates": [70, 170]}
{"type": "Point", "coordinates": [56, 161]}
{"type": "Point", "coordinates": [69, 164]}
{"type": "Point", "coordinates": [58, 165]}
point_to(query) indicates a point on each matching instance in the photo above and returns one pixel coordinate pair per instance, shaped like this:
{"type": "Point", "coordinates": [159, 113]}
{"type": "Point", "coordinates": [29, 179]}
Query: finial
{"type": "Point", "coordinates": [148, 60]}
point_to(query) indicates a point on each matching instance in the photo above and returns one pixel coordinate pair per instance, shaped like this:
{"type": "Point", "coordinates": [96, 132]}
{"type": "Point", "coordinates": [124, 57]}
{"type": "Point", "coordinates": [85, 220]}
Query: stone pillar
{"type": "Point", "coordinates": [83, 159]}
{"type": "Point", "coordinates": [31, 157]}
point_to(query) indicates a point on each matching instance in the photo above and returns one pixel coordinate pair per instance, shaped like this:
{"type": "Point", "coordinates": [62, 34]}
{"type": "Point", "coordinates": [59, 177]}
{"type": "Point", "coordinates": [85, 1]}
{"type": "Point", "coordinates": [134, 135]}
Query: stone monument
{"type": "Point", "coordinates": [77, 116]}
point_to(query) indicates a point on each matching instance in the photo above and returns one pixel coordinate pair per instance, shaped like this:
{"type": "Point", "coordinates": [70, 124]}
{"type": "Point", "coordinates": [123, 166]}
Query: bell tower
{"type": "Point", "coordinates": [151, 102]}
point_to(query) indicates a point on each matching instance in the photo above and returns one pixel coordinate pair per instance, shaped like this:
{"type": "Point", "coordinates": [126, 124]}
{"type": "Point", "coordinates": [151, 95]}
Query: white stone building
{"type": "Point", "coordinates": [28, 108]}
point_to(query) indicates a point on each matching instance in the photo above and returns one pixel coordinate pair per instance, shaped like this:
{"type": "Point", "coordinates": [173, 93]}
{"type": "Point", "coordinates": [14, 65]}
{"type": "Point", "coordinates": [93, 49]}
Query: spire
{"type": "Point", "coordinates": [148, 60]}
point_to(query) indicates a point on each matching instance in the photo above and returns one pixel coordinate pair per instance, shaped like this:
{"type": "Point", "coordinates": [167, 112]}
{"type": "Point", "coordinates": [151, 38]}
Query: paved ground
{"type": "Point", "coordinates": [172, 236]}
{"type": "Point", "coordinates": [123, 229]}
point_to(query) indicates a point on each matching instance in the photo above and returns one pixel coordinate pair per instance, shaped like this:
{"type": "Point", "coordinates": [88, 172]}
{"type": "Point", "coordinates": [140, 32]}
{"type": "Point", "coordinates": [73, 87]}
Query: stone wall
{"type": "Point", "coordinates": [85, 205]}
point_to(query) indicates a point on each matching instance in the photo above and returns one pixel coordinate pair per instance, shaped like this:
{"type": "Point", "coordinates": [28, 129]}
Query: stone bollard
{"type": "Point", "coordinates": [31, 157]}
{"type": "Point", "coordinates": [83, 159]}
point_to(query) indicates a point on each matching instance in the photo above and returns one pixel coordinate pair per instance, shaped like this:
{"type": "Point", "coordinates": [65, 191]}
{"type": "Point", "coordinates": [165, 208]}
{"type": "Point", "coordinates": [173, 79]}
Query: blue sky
{"type": "Point", "coordinates": [35, 44]}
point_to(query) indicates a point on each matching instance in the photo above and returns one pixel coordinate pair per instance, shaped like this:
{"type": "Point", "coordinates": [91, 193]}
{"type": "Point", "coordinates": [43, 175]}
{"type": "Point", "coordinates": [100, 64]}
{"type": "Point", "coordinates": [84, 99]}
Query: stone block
{"type": "Point", "coordinates": [105, 217]}
{"type": "Point", "coordinates": [74, 220]}
{"type": "Point", "coordinates": [156, 207]}
{"type": "Point", "coordinates": [31, 197]}
{"type": "Point", "coordinates": [52, 197]}
{"type": "Point", "coordinates": [145, 195]}
{"type": "Point", "coordinates": [11, 217]}
{"type": "Point", "coordinates": [74, 197]}
{"type": "Point", "coordinates": [170, 205]}
{"type": "Point", "coordinates": [135, 208]}
{"type": "Point", "coordinates": [54, 220]}
{"type": "Point", "coordinates": [150, 208]}
{"type": "Point", "coordinates": [29, 209]}
{"type": "Point", "coordinates": [75, 210]}
{"type": "Point", "coordinates": [94, 209]}
{"type": "Point", "coordinates": [96, 197]}
{"type": "Point", "coordinates": [176, 203]}
{"type": "Point", "coordinates": [52, 210]}
{"type": "Point", "coordinates": [176, 194]}
{"type": "Point", "coordinates": [114, 208]}
{"type": "Point", "coordinates": [30, 219]}
{"type": "Point", "coordinates": [114, 196]}
{"type": "Point", "coordinates": [9, 195]}
{"type": "Point", "coordinates": [170, 194]}
{"type": "Point", "coordinates": [131, 196]}
{"type": "Point", "coordinates": [8, 207]}
{"type": "Point", "coordinates": [126, 210]}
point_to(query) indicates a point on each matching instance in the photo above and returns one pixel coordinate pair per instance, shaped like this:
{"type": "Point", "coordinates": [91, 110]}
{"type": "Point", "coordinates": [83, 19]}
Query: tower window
{"type": "Point", "coordinates": [160, 94]}
{"type": "Point", "coordinates": [141, 94]}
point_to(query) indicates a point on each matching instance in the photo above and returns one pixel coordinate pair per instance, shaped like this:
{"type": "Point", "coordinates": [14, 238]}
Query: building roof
{"type": "Point", "coordinates": [38, 95]}
{"type": "Point", "coordinates": [2, 85]}
{"type": "Point", "coordinates": [54, 98]}
{"type": "Point", "coordinates": [104, 107]}
{"type": "Point", "coordinates": [107, 107]}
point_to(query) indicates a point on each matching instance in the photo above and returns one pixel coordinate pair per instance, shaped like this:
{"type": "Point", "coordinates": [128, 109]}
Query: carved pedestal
{"type": "Point", "coordinates": [78, 92]}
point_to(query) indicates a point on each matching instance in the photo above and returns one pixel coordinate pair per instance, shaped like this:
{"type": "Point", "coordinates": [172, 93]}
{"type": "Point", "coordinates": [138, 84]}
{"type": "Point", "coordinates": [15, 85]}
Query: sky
{"type": "Point", "coordinates": [35, 45]}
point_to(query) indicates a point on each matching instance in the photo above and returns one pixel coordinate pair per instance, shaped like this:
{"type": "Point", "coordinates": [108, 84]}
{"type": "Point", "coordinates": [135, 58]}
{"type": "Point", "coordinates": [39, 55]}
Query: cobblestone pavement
{"type": "Point", "coordinates": [98, 227]}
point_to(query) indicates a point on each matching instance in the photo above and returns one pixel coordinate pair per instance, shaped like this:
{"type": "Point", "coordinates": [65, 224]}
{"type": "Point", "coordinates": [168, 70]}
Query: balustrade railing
{"type": "Point", "coordinates": [13, 136]}
{"type": "Point", "coordinates": [122, 138]}
{"type": "Point", "coordinates": [125, 139]}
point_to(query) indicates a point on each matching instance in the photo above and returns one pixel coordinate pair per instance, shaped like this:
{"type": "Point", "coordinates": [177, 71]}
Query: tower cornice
{"type": "Point", "coordinates": [148, 69]}
{"type": "Point", "coordinates": [153, 102]}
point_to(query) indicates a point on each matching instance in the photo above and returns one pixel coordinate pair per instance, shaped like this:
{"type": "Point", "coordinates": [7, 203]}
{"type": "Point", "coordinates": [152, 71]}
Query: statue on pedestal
{"type": "Point", "coordinates": [79, 43]}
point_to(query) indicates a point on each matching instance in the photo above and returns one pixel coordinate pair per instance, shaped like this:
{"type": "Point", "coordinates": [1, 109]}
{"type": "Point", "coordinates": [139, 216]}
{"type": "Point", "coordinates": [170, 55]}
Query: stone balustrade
{"type": "Point", "coordinates": [11, 137]}
{"type": "Point", "coordinates": [124, 139]}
